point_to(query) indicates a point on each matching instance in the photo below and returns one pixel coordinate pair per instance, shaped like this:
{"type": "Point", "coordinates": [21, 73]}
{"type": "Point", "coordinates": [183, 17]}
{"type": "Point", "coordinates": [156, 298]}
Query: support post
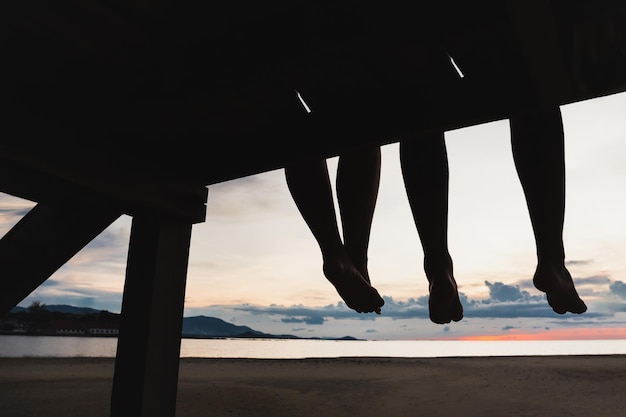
{"type": "Point", "coordinates": [146, 367]}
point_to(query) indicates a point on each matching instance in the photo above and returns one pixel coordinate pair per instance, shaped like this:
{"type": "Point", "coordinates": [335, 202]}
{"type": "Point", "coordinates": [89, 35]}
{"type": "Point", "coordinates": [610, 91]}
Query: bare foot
{"type": "Point", "coordinates": [355, 291]}
{"type": "Point", "coordinates": [444, 304]}
{"type": "Point", "coordinates": [558, 285]}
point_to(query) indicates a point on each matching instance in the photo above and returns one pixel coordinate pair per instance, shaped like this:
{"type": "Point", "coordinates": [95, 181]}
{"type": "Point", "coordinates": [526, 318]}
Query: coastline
{"type": "Point", "coordinates": [585, 385]}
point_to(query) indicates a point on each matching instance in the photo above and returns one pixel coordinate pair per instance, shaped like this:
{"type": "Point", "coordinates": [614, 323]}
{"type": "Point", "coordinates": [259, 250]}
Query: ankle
{"type": "Point", "coordinates": [438, 264]}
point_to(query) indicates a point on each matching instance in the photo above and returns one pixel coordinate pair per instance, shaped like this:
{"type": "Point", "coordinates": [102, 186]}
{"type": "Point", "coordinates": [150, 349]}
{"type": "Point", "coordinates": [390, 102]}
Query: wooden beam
{"type": "Point", "coordinates": [42, 241]}
{"type": "Point", "coordinates": [102, 178]}
{"type": "Point", "coordinates": [148, 349]}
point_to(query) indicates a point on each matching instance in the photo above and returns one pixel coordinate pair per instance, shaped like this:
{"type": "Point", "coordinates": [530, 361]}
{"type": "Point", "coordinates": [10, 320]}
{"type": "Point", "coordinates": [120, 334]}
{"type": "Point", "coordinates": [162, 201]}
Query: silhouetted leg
{"type": "Point", "coordinates": [310, 188]}
{"type": "Point", "coordinates": [424, 164]}
{"type": "Point", "coordinates": [538, 150]}
{"type": "Point", "coordinates": [358, 179]}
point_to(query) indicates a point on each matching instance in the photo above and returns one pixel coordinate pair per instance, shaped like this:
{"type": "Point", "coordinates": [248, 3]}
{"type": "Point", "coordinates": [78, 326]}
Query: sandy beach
{"type": "Point", "coordinates": [590, 386]}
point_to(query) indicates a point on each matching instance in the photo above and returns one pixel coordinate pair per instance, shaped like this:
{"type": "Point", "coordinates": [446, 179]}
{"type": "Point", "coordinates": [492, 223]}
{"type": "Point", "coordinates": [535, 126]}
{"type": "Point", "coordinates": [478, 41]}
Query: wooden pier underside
{"type": "Point", "coordinates": [114, 107]}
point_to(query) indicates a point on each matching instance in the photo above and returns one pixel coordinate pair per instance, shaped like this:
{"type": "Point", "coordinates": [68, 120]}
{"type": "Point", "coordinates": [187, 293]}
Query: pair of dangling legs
{"type": "Point", "coordinates": [538, 150]}
{"type": "Point", "coordinates": [344, 260]}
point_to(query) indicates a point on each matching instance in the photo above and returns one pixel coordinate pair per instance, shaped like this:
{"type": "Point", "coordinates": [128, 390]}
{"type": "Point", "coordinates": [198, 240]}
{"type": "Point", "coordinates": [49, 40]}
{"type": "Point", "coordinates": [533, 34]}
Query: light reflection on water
{"type": "Point", "coordinates": [50, 346]}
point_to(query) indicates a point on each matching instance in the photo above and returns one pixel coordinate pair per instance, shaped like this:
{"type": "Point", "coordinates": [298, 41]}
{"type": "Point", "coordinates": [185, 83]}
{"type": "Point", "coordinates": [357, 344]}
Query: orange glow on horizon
{"type": "Point", "coordinates": [596, 333]}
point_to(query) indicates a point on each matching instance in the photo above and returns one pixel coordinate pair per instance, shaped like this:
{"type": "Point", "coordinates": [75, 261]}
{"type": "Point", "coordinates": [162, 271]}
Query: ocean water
{"type": "Point", "coordinates": [50, 346]}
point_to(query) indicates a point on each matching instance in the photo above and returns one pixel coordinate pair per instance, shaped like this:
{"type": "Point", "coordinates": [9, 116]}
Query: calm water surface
{"type": "Point", "coordinates": [50, 346]}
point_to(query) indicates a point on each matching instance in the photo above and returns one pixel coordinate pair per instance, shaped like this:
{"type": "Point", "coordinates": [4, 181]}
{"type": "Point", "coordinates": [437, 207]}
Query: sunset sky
{"type": "Point", "coordinates": [255, 263]}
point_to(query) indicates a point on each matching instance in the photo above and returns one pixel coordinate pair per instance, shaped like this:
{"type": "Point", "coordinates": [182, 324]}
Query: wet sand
{"type": "Point", "coordinates": [551, 386]}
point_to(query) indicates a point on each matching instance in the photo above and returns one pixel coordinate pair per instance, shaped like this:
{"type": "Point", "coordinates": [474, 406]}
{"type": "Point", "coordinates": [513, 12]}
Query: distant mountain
{"type": "Point", "coordinates": [203, 326]}
{"type": "Point", "coordinates": [193, 327]}
{"type": "Point", "coordinates": [61, 308]}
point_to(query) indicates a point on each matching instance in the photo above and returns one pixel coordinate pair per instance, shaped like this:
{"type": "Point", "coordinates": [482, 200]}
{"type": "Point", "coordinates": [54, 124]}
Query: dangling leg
{"type": "Point", "coordinates": [358, 179]}
{"type": "Point", "coordinates": [424, 164]}
{"type": "Point", "coordinates": [538, 150]}
{"type": "Point", "coordinates": [309, 185]}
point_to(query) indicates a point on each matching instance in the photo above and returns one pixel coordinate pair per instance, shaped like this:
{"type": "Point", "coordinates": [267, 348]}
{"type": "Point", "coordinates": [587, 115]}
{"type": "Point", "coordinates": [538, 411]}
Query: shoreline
{"type": "Point", "coordinates": [576, 386]}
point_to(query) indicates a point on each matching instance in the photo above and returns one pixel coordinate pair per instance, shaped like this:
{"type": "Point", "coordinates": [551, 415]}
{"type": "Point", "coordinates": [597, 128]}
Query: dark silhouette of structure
{"type": "Point", "coordinates": [112, 108]}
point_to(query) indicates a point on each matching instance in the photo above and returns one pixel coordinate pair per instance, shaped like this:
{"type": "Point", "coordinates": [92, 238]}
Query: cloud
{"type": "Point", "coordinates": [527, 283]}
{"type": "Point", "coordinates": [502, 292]}
{"type": "Point", "coordinates": [252, 196]}
{"type": "Point", "coordinates": [110, 238]}
{"type": "Point", "coordinates": [10, 202]}
{"type": "Point", "coordinates": [517, 309]}
{"type": "Point", "coordinates": [300, 312]}
{"type": "Point", "coordinates": [618, 288]}
{"type": "Point", "coordinates": [314, 320]}
{"type": "Point", "coordinates": [505, 301]}
{"type": "Point", "coordinates": [593, 280]}
{"type": "Point", "coordinates": [51, 283]}
{"type": "Point", "coordinates": [92, 298]}
{"type": "Point", "coordinates": [579, 262]}
{"type": "Point", "coordinates": [589, 281]}
{"type": "Point", "coordinates": [12, 210]}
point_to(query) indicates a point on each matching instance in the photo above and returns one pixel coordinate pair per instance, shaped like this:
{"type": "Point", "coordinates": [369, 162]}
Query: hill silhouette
{"type": "Point", "coordinates": [199, 327]}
